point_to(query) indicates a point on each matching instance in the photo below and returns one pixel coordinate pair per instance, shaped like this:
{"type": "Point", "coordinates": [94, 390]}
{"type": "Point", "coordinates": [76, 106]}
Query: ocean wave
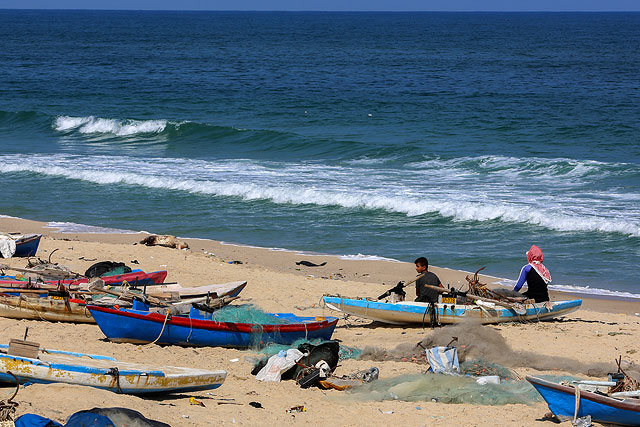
{"type": "Point", "coordinates": [533, 167]}
{"type": "Point", "coordinates": [361, 257]}
{"type": "Point", "coordinates": [71, 227]}
{"type": "Point", "coordinates": [117, 127]}
{"type": "Point", "coordinates": [325, 185]}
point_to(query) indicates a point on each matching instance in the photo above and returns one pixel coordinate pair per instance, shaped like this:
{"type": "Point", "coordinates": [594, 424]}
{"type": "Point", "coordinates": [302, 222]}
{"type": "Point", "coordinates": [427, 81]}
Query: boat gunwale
{"type": "Point", "coordinates": [603, 400]}
{"type": "Point", "coordinates": [184, 321]}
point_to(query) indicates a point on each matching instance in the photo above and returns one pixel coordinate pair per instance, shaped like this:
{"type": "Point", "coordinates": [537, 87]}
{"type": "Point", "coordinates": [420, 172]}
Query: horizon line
{"type": "Point", "coordinates": [327, 11]}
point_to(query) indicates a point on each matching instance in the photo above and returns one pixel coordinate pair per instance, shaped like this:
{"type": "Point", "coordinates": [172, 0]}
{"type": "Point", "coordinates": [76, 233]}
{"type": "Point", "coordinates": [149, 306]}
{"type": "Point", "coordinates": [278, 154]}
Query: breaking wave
{"type": "Point", "coordinates": [96, 125]}
{"type": "Point", "coordinates": [560, 208]}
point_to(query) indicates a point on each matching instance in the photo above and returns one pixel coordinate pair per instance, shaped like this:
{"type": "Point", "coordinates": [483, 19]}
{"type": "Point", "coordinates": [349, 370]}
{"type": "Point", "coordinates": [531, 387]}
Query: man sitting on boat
{"type": "Point", "coordinates": [423, 293]}
{"type": "Point", "coordinates": [536, 275]}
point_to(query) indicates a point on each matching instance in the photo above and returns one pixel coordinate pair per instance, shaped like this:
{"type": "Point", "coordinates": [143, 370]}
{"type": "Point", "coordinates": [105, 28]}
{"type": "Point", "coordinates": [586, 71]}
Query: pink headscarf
{"type": "Point", "coordinates": [535, 257]}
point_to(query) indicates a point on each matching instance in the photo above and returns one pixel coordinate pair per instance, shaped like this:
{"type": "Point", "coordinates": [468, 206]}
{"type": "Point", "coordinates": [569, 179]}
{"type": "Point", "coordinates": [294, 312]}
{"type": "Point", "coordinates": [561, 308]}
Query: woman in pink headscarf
{"type": "Point", "coordinates": [536, 275]}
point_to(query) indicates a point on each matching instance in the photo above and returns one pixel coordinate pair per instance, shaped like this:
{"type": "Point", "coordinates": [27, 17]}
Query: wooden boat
{"type": "Point", "coordinates": [409, 312]}
{"type": "Point", "coordinates": [44, 304]}
{"type": "Point", "coordinates": [134, 278]}
{"type": "Point", "coordinates": [44, 307]}
{"type": "Point", "coordinates": [27, 245]}
{"type": "Point", "coordinates": [199, 329]}
{"type": "Point", "coordinates": [230, 289]}
{"type": "Point", "coordinates": [562, 401]}
{"type": "Point", "coordinates": [52, 366]}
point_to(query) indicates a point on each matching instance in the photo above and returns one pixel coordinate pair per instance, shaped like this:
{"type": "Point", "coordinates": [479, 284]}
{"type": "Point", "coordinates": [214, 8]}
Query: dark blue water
{"type": "Point", "coordinates": [465, 137]}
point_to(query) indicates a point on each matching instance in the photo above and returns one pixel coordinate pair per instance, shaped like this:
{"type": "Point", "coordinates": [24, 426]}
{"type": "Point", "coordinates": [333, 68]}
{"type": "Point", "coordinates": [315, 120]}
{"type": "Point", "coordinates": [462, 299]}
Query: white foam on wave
{"type": "Point", "coordinates": [71, 228]}
{"type": "Point", "coordinates": [580, 290]}
{"type": "Point", "coordinates": [587, 290]}
{"type": "Point", "coordinates": [361, 257]}
{"type": "Point", "coordinates": [558, 208]}
{"type": "Point", "coordinates": [117, 127]}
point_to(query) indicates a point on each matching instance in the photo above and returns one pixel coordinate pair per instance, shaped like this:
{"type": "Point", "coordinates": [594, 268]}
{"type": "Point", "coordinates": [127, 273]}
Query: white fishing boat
{"type": "Point", "coordinates": [419, 313]}
{"type": "Point", "coordinates": [230, 289]}
{"type": "Point", "coordinates": [53, 366]}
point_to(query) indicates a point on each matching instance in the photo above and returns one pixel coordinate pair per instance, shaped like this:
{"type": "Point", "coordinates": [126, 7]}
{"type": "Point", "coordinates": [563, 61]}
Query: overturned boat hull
{"type": "Point", "coordinates": [419, 313]}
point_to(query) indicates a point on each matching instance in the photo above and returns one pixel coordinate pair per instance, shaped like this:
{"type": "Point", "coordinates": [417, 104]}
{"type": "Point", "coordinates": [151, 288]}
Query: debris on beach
{"type": "Point", "coordinates": [164, 240]}
{"type": "Point", "coordinates": [310, 264]}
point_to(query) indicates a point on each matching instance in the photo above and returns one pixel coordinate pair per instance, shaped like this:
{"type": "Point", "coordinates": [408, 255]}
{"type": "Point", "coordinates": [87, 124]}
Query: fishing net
{"type": "Point", "coordinates": [450, 389]}
{"type": "Point", "coordinates": [246, 313]}
{"type": "Point", "coordinates": [446, 389]}
{"type": "Point", "coordinates": [483, 367]}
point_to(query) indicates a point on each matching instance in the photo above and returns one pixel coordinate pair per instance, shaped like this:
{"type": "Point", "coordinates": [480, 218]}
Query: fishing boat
{"type": "Point", "coordinates": [569, 402]}
{"type": "Point", "coordinates": [18, 245]}
{"type": "Point", "coordinates": [44, 307]}
{"type": "Point", "coordinates": [55, 306]}
{"type": "Point", "coordinates": [54, 366]}
{"type": "Point", "coordinates": [230, 289]}
{"type": "Point", "coordinates": [134, 278]}
{"type": "Point", "coordinates": [27, 245]}
{"type": "Point", "coordinates": [419, 313]}
{"type": "Point", "coordinates": [199, 328]}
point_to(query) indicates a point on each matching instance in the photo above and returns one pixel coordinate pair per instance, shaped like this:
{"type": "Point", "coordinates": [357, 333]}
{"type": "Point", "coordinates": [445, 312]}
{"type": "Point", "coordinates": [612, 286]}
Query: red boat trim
{"type": "Point", "coordinates": [604, 400]}
{"type": "Point", "coordinates": [218, 326]}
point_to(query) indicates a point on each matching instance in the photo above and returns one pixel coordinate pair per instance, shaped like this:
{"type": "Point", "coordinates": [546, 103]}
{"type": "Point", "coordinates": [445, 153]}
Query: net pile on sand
{"type": "Point", "coordinates": [446, 389]}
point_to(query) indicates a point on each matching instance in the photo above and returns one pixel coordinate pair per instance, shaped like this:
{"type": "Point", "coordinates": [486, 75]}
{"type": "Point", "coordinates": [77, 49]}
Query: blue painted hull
{"type": "Point", "coordinates": [27, 246]}
{"type": "Point", "coordinates": [139, 326]}
{"type": "Point", "coordinates": [562, 402]}
{"type": "Point", "coordinates": [408, 312]}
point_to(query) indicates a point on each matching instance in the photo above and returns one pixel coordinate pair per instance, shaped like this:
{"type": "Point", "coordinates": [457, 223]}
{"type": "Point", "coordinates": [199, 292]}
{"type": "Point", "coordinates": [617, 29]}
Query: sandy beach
{"type": "Point", "coordinates": [585, 342]}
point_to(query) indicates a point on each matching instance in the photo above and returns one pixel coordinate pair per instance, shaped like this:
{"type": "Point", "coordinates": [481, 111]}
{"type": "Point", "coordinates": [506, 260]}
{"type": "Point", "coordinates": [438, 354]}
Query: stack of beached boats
{"type": "Point", "coordinates": [137, 307]}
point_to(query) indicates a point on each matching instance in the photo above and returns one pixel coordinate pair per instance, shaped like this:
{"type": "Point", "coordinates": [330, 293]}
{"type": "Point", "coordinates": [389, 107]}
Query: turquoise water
{"type": "Point", "coordinates": [465, 137]}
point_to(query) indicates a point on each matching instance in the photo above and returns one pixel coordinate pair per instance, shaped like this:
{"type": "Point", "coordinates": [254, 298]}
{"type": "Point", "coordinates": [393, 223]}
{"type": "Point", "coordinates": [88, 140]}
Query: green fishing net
{"type": "Point", "coordinates": [446, 389]}
{"type": "Point", "coordinates": [246, 313]}
{"type": "Point", "coordinates": [482, 367]}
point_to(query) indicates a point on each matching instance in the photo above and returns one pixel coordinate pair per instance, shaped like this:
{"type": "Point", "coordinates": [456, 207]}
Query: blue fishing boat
{"type": "Point", "coordinates": [27, 245]}
{"type": "Point", "coordinates": [563, 400]}
{"type": "Point", "coordinates": [419, 313]}
{"type": "Point", "coordinates": [54, 366]}
{"type": "Point", "coordinates": [200, 329]}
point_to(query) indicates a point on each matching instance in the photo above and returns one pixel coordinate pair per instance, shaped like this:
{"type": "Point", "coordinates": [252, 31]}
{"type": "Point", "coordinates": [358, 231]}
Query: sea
{"type": "Point", "coordinates": [462, 137]}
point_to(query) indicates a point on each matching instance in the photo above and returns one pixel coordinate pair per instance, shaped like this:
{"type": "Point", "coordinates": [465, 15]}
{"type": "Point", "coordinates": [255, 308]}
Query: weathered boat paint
{"type": "Point", "coordinates": [44, 308]}
{"type": "Point", "coordinates": [105, 373]}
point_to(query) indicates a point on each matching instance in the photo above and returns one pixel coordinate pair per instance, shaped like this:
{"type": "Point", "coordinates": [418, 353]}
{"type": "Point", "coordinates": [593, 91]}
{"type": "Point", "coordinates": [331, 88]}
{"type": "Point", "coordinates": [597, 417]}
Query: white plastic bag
{"type": "Point", "coordinates": [278, 364]}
